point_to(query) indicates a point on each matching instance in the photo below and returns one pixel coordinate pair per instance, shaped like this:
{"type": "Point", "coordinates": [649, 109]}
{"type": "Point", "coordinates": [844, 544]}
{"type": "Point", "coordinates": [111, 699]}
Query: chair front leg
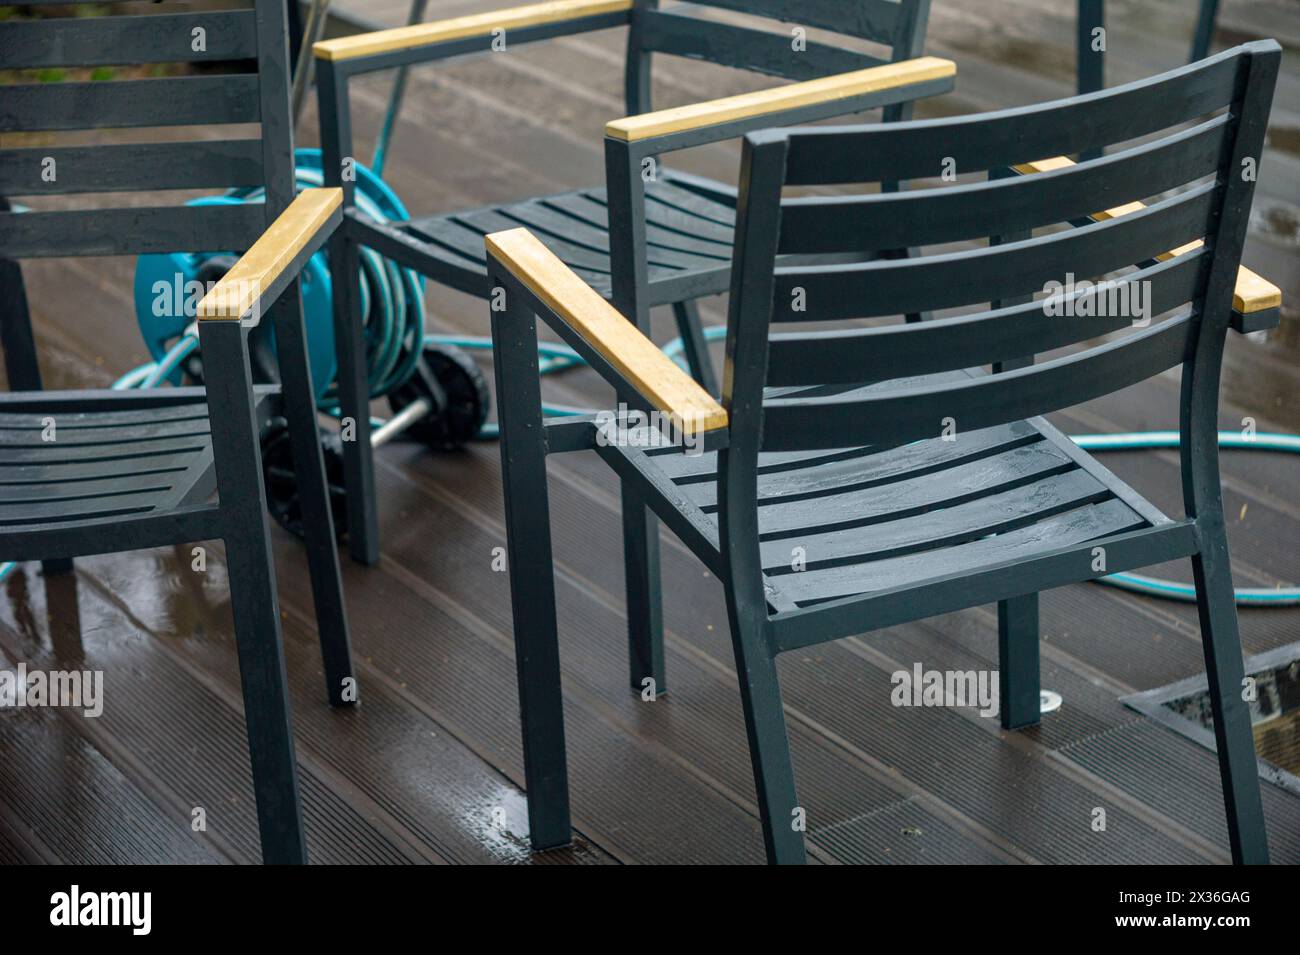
{"type": "Point", "coordinates": [628, 272]}
{"type": "Point", "coordinates": [252, 591]}
{"type": "Point", "coordinates": [531, 568]}
{"type": "Point", "coordinates": [318, 521]}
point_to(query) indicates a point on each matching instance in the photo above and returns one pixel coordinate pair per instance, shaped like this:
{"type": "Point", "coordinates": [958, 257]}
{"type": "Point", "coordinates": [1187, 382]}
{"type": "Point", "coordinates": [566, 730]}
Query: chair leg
{"type": "Point", "coordinates": [266, 700]}
{"type": "Point", "coordinates": [541, 701]}
{"type": "Point", "coordinates": [769, 746]}
{"type": "Point", "coordinates": [532, 573]}
{"type": "Point", "coordinates": [695, 345]}
{"type": "Point", "coordinates": [22, 367]}
{"type": "Point", "coordinates": [1234, 740]}
{"type": "Point", "coordinates": [16, 339]}
{"type": "Point", "coordinates": [318, 522]}
{"type": "Point", "coordinates": [252, 592]}
{"type": "Point", "coordinates": [1018, 668]}
{"type": "Point", "coordinates": [1209, 10]}
{"type": "Point", "coordinates": [354, 400]}
{"type": "Point", "coordinates": [645, 619]}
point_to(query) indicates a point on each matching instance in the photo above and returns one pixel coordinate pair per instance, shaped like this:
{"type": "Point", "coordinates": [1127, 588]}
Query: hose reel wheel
{"type": "Point", "coordinates": [280, 478]}
{"type": "Point", "coordinates": [456, 392]}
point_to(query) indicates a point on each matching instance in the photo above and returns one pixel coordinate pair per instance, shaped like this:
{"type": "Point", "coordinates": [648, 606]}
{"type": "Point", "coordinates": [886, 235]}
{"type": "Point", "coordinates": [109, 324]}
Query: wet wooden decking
{"type": "Point", "coordinates": [429, 769]}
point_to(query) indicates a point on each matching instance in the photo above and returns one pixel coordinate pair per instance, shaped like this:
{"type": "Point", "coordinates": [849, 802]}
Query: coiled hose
{"type": "Point", "coordinates": [392, 297]}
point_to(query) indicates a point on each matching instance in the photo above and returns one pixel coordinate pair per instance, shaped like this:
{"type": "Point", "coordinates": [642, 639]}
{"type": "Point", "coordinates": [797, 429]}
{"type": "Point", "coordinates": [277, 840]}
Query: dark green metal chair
{"type": "Point", "coordinates": [913, 483]}
{"type": "Point", "coordinates": [93, 472]}
{"type": "Point", "coordinates": [649, 236]}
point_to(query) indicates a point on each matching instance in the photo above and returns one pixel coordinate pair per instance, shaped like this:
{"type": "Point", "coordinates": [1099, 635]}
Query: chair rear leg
{"type": "Point", "coordinates": [22, 368]}
{"type": "Point", "coordinates": [1209, 10]}
{"type": "Point", "coordinates": [695, 345]}
{"type": "Point", "coordinates": [769, 745]}
{"type": "Point", "coordinates": [318, 522]}
{"type": "Point", "coordinates": [645, 621]}
{"type": "Point", "coordinates": [252, 592]}
{"type": "Point", "coordinates": [354, 400]}
{"type": "Point", "coordinates": [1221, 642]}
{"type": "Point", "coordinates": [1018, 664]}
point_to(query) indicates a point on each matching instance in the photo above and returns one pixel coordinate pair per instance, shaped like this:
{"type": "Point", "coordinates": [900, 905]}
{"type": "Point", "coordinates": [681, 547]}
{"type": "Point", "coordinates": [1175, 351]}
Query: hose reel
{"type": "Point", "coordinates": [437, 394]}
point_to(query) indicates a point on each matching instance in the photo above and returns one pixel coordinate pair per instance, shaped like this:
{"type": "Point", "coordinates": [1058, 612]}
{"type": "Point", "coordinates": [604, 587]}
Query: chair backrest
{"type": "Point", "coordinates": [44, 149]}
{"type": "Point", "coordinates": [897, 26]}
{"type": "Point", "coordinates": [1186, 142]}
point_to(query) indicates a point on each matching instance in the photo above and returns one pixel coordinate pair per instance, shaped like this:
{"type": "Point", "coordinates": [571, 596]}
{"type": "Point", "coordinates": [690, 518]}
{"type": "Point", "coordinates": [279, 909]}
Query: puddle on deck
{"type": "Point", "coordinates": [1274, 712]}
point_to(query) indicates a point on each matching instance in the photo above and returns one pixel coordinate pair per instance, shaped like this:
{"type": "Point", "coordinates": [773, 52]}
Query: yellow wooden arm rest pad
{"type": "Point", "coordinates": [457, 28]}
{"type": "Point", "coordinates": [653, 374]}
{"type": "Point", "coordinates": [239, 289]}
{"type": "Point", "coordinates": [826, 89]}
{"type": "Point", "coordinates": [1253, 293]}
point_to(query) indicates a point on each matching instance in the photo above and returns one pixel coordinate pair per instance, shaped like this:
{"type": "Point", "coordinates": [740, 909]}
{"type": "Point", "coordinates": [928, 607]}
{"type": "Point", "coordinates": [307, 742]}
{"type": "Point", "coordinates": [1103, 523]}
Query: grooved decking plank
{"type": "Point", "coordinates": [1181, 779]}
{"type": "Point", "coordinates": [74, 800]}
{"type": "Point", "coordinates": [904, 833]}
{"type": "Point", "coordinates": [183, 741]}
{"type": "Point", "coordinates": [14, 850]}
{"type": "Point", "coordinates": [387, 755]}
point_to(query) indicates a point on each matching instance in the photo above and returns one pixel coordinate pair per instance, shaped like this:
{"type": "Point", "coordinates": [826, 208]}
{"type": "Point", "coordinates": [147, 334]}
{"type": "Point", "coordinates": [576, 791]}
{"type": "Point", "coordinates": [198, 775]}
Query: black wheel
{"type": "Point", "coordinates": [283, 499]}
{"type": "Point", "coordinates": [455, 421]}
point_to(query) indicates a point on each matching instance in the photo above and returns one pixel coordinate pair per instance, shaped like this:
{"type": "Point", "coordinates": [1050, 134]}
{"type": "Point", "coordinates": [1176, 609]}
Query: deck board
{"type": "Point", "coordinates": [430, 764]}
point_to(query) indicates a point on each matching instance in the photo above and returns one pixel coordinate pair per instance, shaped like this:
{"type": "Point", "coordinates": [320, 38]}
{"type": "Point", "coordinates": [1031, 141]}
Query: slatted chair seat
{"type": "Point", "coordinates": [688, 233]}
{"type": "Point", "coordinates": [108, 462]}
{"type": "Point", "coordinates": [850, 521]}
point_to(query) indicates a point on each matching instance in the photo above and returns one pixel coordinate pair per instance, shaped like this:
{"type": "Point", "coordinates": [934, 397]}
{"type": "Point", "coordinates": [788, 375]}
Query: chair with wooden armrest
{"type": "Point", "coordinates": [94, 472]}
{"type": "Point", "coordinates": [649, 236]}
{"type": "Point", "coordinates": [865, 476]}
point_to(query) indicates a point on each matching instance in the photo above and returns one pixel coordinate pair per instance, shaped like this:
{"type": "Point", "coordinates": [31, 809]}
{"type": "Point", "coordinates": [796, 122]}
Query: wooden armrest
{"type": "Point", "coordinates": [458, 28]}
{"type": "Point", "coordinates": [1253, 293]}
{"type": "Point", "coordinates": [778, 99]}
{"type": "Point", "coordinates": [604, 329]}
{"type": "Point", "coordinates": [274, 260]}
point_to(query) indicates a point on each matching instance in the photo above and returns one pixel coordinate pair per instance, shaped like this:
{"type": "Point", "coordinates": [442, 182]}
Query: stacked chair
{"type": "Point", "coordinates": [92, 472]}
{"type": "Point", "coordinates": [915, 483]}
